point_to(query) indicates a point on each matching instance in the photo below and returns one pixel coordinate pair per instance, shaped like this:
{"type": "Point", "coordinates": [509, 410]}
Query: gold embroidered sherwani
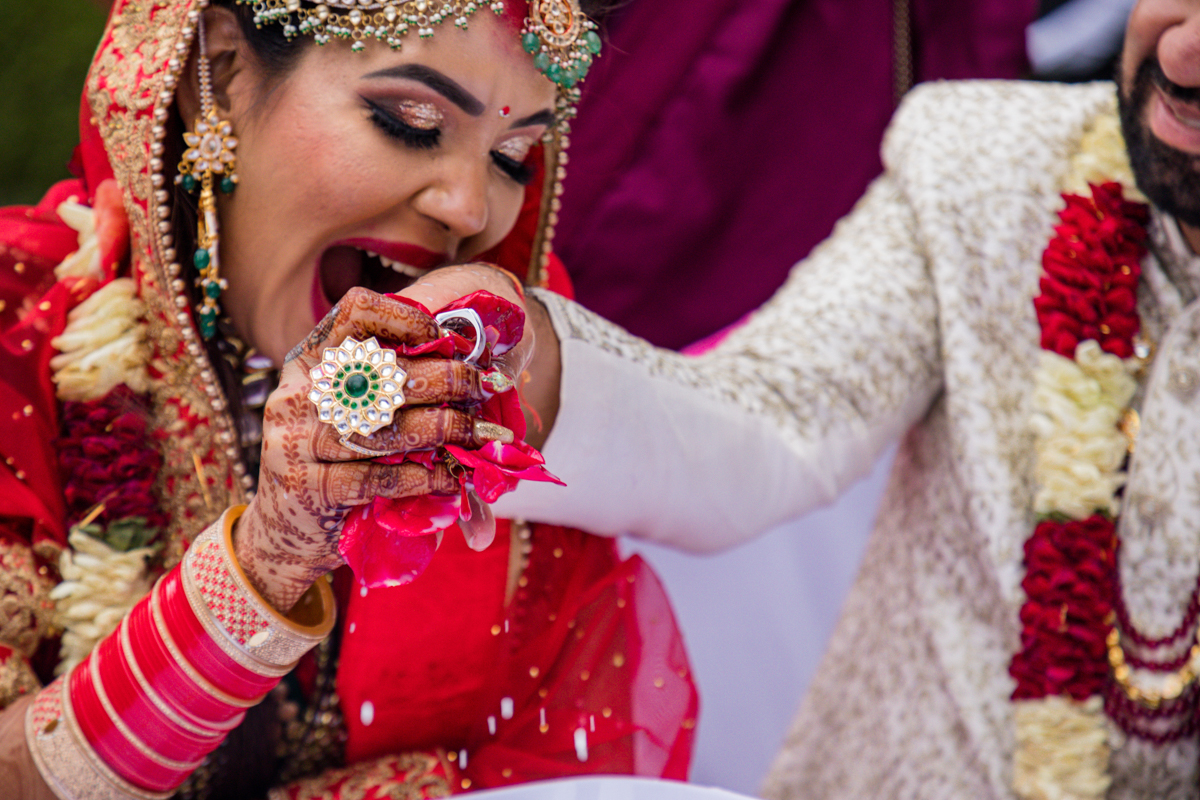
{"type": "Point", "coordinates": [913, 320]}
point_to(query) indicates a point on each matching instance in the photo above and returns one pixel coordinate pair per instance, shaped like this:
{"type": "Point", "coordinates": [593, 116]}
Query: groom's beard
{"type": "Point", "coordinates": [1169, 177]}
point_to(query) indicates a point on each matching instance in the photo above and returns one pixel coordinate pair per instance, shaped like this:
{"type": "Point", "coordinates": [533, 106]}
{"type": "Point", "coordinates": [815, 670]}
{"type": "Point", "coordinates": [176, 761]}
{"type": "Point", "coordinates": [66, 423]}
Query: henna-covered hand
{"type": "Point", "coordinates": [309, 482]}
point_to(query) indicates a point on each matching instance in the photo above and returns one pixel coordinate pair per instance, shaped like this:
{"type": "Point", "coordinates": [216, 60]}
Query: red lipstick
{"type": "Point", "coordinates": [410, 254]}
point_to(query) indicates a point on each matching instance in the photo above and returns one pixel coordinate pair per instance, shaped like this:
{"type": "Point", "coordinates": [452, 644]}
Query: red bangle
{"type": "Point", "coordinates": [69, 765]}
{"type": "Point", "coordinates": [129, 700]}
{"type": "Point", "coordinates": [169, 678]}
{"type": "Point", "coordinates": [181, 717]}
{"type": "Point", "coordinates": [201, 651]}
{"type": "Point", "coordinates": [142, 711]}
{"type": "Point", "coordinates": [239, 621]}
{"type": "Point", "coordinates": [111, 745]}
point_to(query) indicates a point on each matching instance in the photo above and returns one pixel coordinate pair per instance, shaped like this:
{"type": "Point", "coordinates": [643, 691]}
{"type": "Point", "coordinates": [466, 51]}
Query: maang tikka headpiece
{"type": "Point", "coordinates": [561, 39]}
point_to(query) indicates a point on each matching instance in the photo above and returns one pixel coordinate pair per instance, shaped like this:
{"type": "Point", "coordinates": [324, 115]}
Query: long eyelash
{"type": "Point", "coordinates": [514, 169]}
{"type": "Point", "coordinates": [416, 138]}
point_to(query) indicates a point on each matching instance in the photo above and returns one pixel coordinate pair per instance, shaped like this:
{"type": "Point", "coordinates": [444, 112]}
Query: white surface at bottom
{"type": "Point", "coordinates": [756, 620]}
{"type": "Point", "coordinates": [606, 788]}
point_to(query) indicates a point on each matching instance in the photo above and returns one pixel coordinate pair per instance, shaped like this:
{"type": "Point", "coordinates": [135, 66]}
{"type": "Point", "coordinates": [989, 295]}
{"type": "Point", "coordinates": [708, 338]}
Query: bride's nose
{"type": "Point", "coordinates": [456, 198]}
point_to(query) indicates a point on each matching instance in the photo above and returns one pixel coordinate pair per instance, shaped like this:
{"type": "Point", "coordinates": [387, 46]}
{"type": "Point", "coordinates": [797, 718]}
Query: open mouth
{"type": "Point", "coordinates": [350, 264]}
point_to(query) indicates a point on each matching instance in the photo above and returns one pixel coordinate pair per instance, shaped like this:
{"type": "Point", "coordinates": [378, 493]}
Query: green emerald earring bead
{"type": "Point", "coordinates": [207, 322]}
{"type": "Point", "coordinates": [531, 43]}
{"type": "Point", "coordinates": [592, 41]}
{"type": "Point", "coordinates": [201, 259]}
{"type": "Point", "coordinates": [227, 185]}
{"type": "Point", "coordinates": [189, 183]}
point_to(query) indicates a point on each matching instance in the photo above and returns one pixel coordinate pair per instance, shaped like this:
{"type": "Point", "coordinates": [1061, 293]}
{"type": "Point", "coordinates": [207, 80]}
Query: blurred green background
{"type": "Point", "coordinates": [45, 49]}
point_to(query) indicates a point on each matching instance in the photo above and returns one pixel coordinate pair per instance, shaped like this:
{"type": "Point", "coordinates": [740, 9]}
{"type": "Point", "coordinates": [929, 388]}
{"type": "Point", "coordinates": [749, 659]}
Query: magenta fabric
{"type": "Point", "coordinates": [719, 140]}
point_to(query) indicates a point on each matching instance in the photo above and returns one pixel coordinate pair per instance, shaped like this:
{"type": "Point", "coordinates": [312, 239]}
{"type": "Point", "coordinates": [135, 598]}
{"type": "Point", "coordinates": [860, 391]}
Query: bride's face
{"type": "Point", "coordinates": [367, 169]}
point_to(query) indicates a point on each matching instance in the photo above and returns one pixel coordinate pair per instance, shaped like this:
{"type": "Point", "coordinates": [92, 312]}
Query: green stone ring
{"type": "Point", "coordinates": [357, 387]}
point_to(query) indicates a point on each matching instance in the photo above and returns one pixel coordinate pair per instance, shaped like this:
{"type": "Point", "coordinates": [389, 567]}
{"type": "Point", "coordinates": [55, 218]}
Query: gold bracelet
{"type": "Point", "coordinates": [238, 619]}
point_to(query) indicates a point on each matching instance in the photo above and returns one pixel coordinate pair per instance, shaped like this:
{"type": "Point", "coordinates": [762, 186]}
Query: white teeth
{"type": "Point", "coordinates": [397, 266]}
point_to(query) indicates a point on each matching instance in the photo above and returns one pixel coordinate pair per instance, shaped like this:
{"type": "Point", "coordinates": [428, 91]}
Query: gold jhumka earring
{"type": "Point", "coordinates": [207, 164]}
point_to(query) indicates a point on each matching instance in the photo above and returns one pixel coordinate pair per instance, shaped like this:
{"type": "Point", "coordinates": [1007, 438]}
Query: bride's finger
{"type": "Point", "coordinates": [356, 483]}
{"type": "Point", "coordinates": [422, 428]}
{"type": "Point", "coordinates": [362, 314]}
{"type": "Point", "coordinates": [432, 381]}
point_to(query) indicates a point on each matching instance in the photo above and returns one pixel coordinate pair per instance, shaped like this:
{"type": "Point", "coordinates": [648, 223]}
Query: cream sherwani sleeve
{"type": "Point", "coordinates": [705, 452]}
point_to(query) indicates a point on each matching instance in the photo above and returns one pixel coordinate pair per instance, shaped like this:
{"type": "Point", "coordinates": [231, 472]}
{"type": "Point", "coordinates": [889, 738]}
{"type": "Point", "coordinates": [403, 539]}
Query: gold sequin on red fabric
{"type": "Point", "coordinates": [407, 776]}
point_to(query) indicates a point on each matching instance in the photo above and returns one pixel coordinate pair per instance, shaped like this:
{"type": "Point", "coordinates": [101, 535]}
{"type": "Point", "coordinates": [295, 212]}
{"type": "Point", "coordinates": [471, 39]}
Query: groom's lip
{"type": "Point", "coordinates": [1175, 122]}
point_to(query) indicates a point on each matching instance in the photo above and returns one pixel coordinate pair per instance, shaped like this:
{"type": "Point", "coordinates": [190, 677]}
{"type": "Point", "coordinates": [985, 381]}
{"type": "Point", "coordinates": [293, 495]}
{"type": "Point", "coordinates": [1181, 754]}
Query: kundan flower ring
{"type": "Point", "coordinates": [357, 388]}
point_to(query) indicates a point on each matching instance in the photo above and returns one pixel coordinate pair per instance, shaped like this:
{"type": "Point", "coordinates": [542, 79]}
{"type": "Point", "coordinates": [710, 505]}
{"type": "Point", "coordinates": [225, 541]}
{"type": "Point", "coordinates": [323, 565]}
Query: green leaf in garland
{"type": "Point", "coordinates": [124, 534]}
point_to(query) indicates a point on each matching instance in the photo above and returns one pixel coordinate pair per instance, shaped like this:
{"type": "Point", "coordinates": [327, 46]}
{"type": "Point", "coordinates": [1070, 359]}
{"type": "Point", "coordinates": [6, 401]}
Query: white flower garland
{"type": "Point", "coordinates": [1062, 749]}
{"type": "Point", "coordinates": [100, 586]}
{"type": "Point", "coordinates": [1080, 450]}
{"type": "Point", "coordinates": [84, 262]}
{"type": "Point", "coordinates": [103, 346]}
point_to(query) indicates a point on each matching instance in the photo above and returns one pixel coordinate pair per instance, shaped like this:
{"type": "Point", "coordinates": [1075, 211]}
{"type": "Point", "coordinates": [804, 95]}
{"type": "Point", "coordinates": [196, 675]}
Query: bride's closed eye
{"type": "Point", "coordinates": [510, 158]}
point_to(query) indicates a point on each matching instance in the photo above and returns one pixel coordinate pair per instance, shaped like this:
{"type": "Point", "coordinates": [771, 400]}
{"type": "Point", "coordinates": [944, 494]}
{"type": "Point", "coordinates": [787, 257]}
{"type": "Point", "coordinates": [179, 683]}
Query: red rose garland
{"type": "Point", "coordinates": [1090, 273]}
{"type": "Point", "coordinates": [1068, 582]}
{"type": "Point", "coordinates": [1088, 291]}
{"type": "Point", "coordinates": [109, 464]}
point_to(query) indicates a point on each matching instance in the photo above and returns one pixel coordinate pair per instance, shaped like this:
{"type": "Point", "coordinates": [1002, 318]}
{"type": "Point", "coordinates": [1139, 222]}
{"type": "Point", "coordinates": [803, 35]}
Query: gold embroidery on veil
{"type": "Point", "coordinates": [131, 94]}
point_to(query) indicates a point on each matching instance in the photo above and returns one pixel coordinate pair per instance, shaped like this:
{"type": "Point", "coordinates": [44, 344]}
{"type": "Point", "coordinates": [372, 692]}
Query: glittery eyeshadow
{"type": "Point", "coordinates": [424, 116]}
{"type": "Point", "coordinates": [516, 149]}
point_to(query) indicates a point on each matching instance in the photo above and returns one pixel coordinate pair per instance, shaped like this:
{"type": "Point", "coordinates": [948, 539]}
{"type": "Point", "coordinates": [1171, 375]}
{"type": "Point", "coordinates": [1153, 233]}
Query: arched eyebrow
{"type": "Point", "coordinates": [543, 117]}
{"type": "Point", "coordinates": [435, 80]}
